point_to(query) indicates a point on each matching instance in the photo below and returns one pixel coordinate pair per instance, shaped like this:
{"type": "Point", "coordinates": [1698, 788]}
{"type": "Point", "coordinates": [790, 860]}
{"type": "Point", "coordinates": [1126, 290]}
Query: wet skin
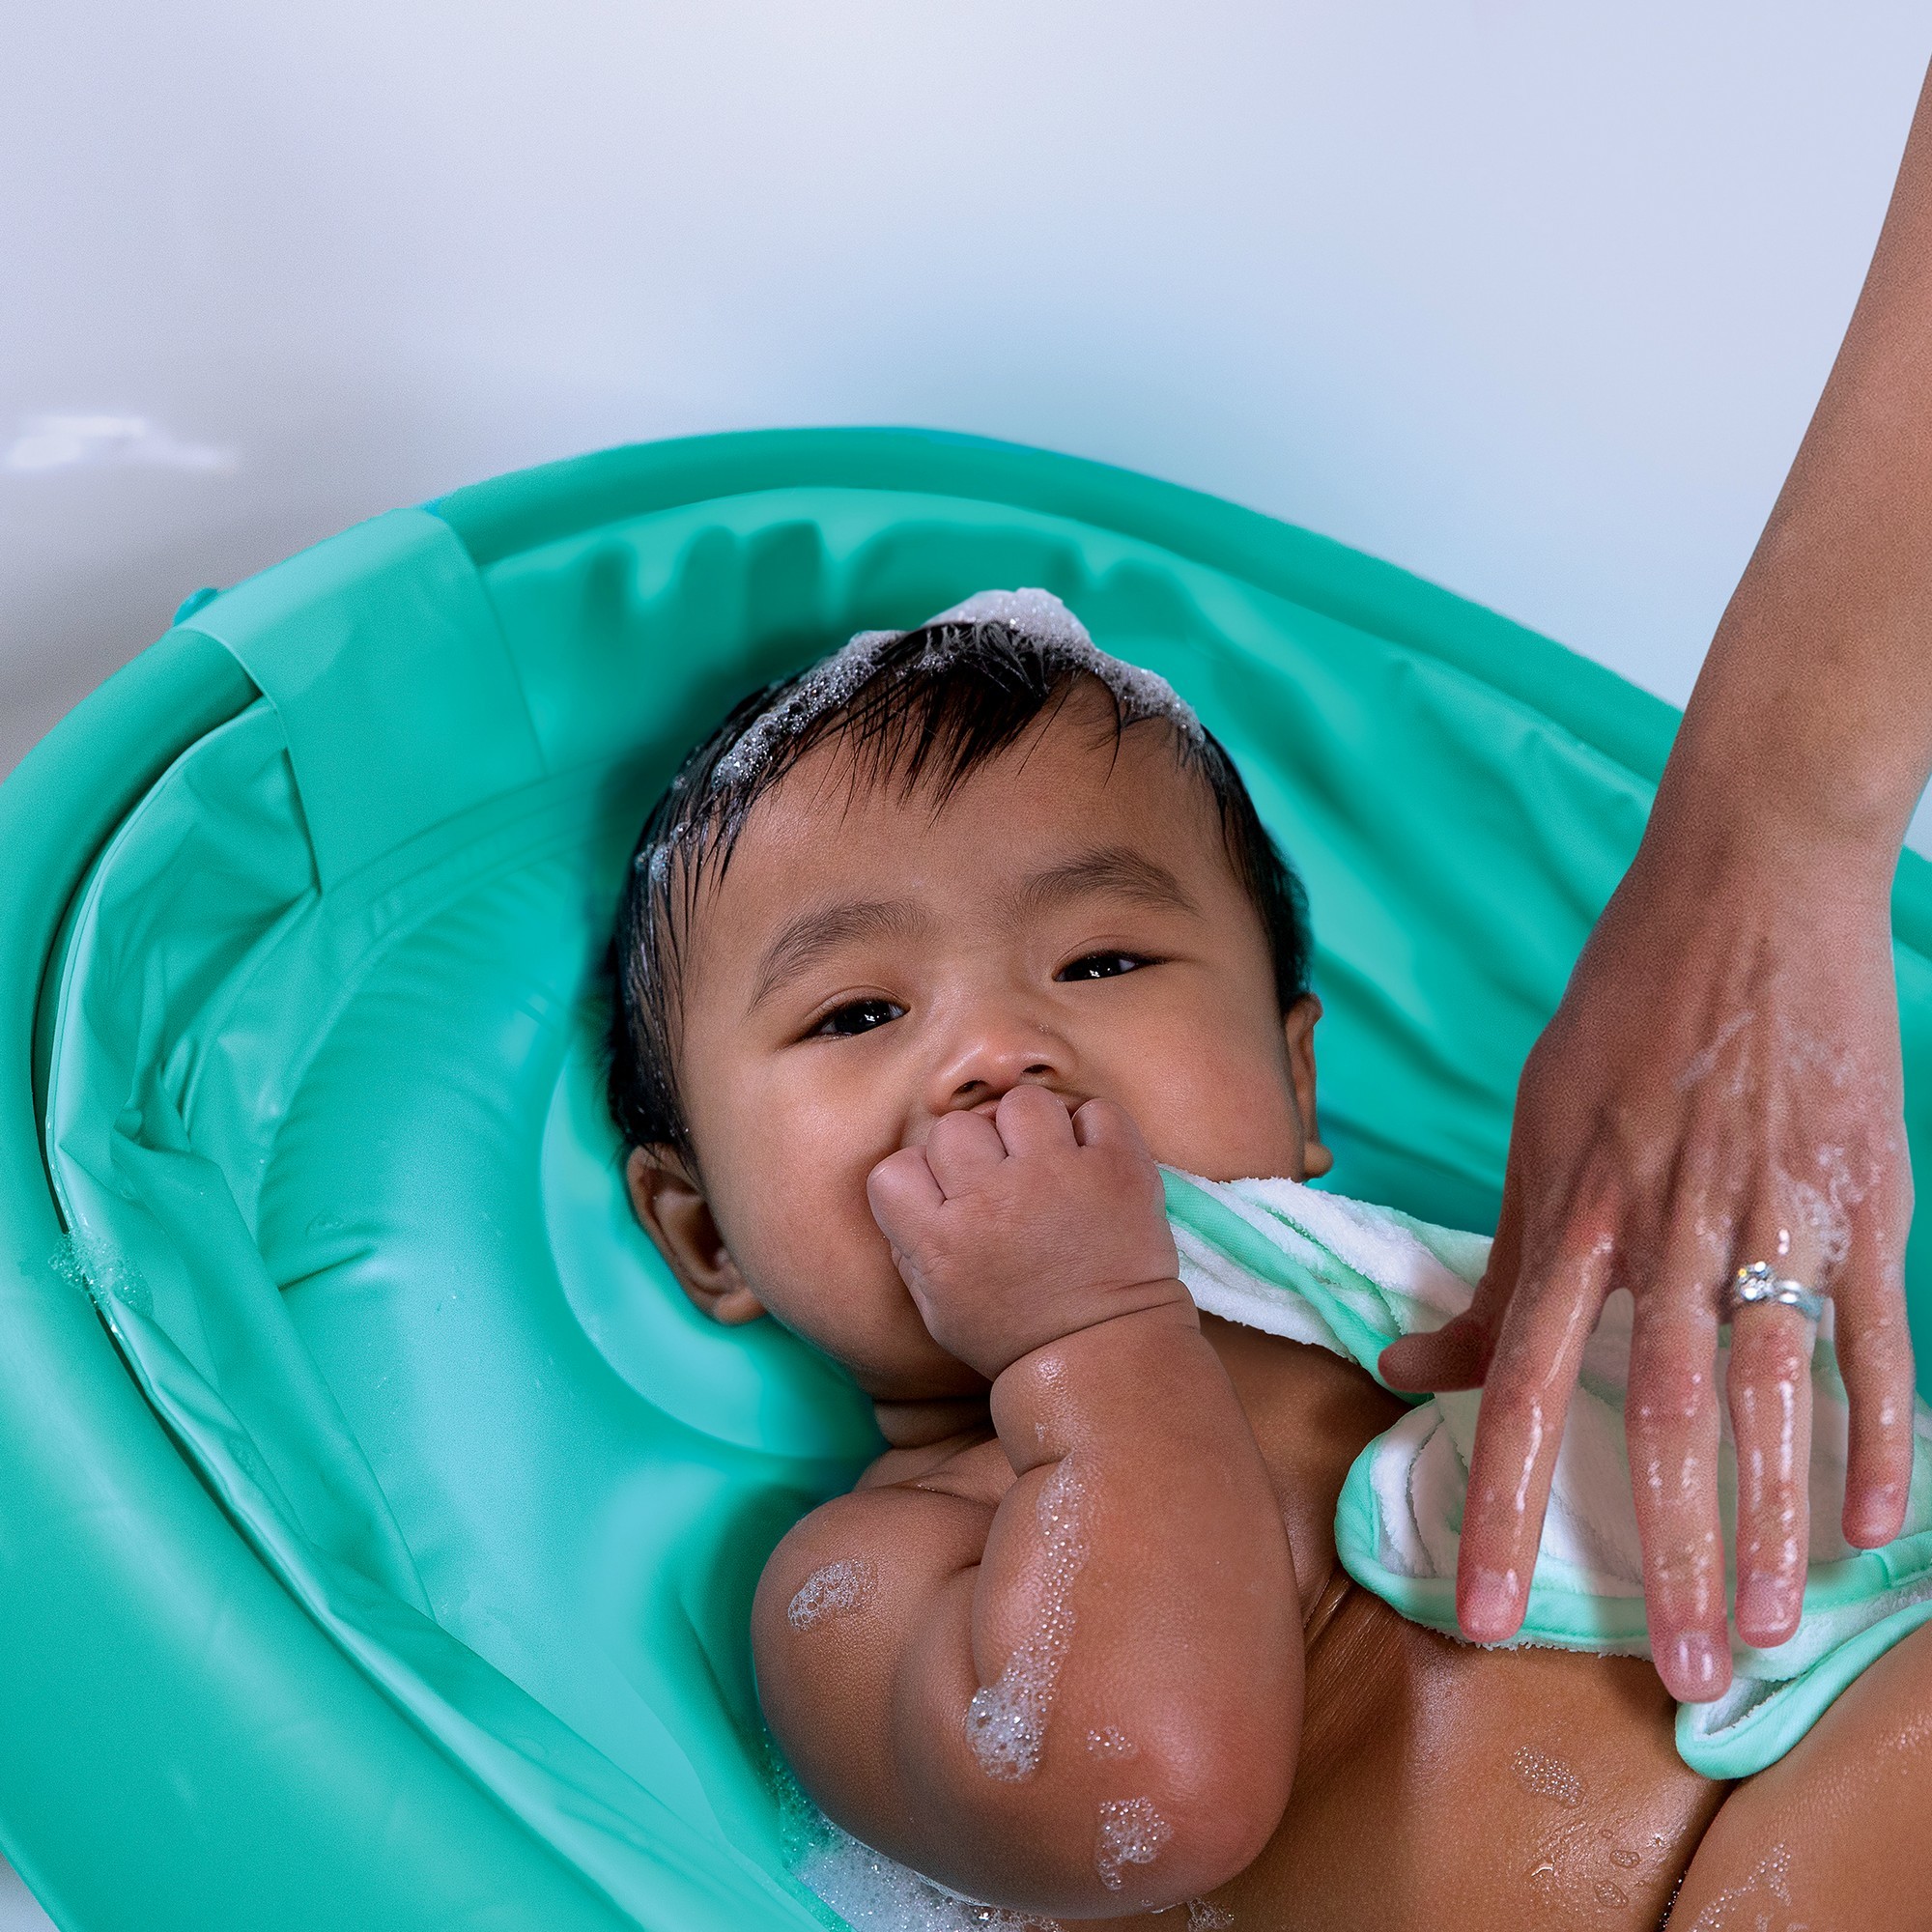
{"type": "Point", "coordinates": [920, 1051]}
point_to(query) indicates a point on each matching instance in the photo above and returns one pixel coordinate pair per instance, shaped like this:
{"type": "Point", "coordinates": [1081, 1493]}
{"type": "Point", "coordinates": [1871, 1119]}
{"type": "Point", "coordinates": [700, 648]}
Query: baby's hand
{"type": "Point", "coordinates": [1016, 1231]}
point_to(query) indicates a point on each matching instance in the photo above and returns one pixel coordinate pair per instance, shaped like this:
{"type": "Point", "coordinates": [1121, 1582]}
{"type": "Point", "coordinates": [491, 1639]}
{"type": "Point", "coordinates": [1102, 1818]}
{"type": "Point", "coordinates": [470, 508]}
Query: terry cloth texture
{"type": "Point", "coordinates": [1341, 1274]}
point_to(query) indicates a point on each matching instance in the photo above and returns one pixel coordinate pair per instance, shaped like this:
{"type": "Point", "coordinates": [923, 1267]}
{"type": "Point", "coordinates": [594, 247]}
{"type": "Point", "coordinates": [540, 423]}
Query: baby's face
{"type": "Point", "coordinates": [1070, 917]}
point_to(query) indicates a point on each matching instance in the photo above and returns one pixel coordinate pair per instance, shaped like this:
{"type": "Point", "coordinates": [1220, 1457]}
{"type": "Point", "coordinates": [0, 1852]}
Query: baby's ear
{"type": "Point", "coordinates": [1298, 1026]}
{"type": "Point", "coordinates": [672, 1210]}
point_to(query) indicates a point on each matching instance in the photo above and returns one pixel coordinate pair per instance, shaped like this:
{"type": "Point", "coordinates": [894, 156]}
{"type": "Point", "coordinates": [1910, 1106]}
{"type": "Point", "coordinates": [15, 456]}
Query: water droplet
{"type": "Point", "coordinates": [1548, 1776]}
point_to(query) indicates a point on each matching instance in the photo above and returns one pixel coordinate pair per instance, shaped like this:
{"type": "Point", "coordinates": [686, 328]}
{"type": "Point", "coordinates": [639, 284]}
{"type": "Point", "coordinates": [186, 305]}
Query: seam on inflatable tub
{"type": "Point", "coordinates": [48, 982]}
{"type": "Point", "coordinates": [59, 975]}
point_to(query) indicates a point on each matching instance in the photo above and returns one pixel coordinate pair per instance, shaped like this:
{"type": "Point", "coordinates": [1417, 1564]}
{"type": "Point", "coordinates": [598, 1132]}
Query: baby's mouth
{"type": "Point", "coordinates": [1073, 1102]}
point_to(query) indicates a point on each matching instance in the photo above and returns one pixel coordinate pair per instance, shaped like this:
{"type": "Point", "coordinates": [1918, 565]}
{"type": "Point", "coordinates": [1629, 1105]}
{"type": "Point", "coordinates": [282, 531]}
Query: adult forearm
{"type": "Point", "coordinates": [1811, 727]}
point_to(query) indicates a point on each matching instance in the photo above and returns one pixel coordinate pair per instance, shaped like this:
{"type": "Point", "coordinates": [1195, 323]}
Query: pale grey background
{"type": "Point", "coordinates": [17, 1910]}
{"type": "Point", "coordinates": [1534, 299]}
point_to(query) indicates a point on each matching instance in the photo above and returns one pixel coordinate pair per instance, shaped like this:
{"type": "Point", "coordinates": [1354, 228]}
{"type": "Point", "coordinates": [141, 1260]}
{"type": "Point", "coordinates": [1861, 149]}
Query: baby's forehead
{"type": "Point", "coordinates": [1078, 800]}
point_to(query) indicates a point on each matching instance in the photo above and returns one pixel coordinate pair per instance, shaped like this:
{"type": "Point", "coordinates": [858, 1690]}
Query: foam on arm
{"type": "Point", "coordinates": [940, 1693]}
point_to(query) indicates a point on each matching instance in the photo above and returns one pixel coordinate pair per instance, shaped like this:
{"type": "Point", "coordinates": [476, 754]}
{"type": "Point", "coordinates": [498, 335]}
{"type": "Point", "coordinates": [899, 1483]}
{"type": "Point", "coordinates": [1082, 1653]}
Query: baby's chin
{"type": "Point", "coordinates": [885, 1349]}
{"type": "Point", "coordinates": [917, 1370]}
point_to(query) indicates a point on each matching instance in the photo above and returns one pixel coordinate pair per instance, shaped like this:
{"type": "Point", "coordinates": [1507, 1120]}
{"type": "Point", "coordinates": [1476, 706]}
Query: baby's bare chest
{"type": "Point", "coordinates": [1442, 1786]}
{"type": "Point", "coordinates": [1438, 1784]}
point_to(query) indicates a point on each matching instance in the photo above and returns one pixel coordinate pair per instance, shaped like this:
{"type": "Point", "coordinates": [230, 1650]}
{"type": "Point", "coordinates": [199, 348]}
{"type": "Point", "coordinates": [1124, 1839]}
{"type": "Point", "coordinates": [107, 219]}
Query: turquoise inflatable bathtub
{"type": "Point", "coordinates": [377, 1527]}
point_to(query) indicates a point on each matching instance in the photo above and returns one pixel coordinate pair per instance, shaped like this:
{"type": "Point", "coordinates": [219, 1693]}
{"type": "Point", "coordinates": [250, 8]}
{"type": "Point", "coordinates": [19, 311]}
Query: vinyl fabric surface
{"type": "Point", "coordinates": [381, 1523]}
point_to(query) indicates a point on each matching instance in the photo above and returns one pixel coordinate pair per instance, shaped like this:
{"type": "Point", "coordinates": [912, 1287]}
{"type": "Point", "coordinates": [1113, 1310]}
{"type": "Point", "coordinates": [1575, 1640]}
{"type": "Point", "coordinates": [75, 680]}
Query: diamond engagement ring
{"type": "Point", "coordinates": [1757, 1284]}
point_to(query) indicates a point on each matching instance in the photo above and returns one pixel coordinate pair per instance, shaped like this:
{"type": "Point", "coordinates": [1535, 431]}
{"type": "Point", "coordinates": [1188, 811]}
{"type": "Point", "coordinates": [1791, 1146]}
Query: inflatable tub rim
{"type": "Point", "coordinates": [80, 1620]}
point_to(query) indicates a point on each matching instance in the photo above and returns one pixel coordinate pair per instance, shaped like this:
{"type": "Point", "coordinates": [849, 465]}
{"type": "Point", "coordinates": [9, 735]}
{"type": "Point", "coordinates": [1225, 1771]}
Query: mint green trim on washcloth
{"type": "Point", "coordinates": [1356, 1335]}
{"type": "Point", "coordinates": [1343, 1275]}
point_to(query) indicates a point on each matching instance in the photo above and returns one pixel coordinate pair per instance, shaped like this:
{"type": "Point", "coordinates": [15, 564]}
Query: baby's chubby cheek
{"type": "Point", "coordinates": [1225, 1115]}
{"type": "Point", "coordinates": [798, 1224]}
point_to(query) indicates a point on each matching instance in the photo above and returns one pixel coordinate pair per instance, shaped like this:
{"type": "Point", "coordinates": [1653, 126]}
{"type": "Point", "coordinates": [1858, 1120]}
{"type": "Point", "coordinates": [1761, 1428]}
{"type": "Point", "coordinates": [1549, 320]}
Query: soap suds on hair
{"type": "Point", "coordinates": [1132, 1833]}
{"type": "Point", "coordinates": [1006, 1722]}
{"type": "Point", "coordinates": [832, 1591]}
{"type": "Point", "coordinates": [1041, 615]}
{"type": "Point", "coordinates": [824, 689]}
{"type": "Point", "coordinates": [1036, 617]}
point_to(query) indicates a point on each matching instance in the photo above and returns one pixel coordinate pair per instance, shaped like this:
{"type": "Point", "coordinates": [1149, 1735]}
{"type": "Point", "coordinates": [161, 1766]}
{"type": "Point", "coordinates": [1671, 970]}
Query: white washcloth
{"type": "Point", "coordinates": [1315, 1267]}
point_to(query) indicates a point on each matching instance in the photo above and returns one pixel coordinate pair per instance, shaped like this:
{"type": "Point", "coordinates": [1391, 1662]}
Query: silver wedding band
{"type": "Point", "coordinates": [1758, 1284]}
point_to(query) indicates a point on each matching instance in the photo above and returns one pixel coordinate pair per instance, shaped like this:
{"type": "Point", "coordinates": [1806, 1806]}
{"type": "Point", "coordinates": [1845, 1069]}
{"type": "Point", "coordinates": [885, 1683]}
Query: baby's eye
{"type": "Point", "coordinates": [857, 1016]}
{"type": "Point", "coordinates": [1101, 966]}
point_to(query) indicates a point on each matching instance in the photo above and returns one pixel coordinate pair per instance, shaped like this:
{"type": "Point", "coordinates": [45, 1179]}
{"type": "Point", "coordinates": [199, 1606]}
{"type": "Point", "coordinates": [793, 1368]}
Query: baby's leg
{"type": "Point", "coordinates": [1837, 1833]}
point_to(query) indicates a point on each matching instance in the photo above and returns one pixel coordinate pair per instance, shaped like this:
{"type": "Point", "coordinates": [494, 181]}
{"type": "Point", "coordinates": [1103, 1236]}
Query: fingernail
{"type": "Point", "coordinates": [1764, 1609]}
{"type": "Point", "coordinates": [1694, 1670]}
{"type": "Point", "coordinates": [1875, 1520]}
{"type": "Point", "coordinates": [1489, 1609]}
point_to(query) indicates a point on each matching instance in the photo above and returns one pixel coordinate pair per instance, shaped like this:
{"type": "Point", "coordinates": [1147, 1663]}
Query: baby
{"type": "Point", "coordinates": [930, 957]}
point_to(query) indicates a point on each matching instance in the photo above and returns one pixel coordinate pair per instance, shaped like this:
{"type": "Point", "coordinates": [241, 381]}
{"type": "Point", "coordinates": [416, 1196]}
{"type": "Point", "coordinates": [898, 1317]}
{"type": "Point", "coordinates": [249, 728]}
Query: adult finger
{"type": "Point", "coordinates": [1671, 1421]}
{"type": "Point", "coordinates": [1769, 1386]}
{"type": "Point", "coordinates": [962, 1149]}
{"type": "Point", "coordinates": [1453, 1356]}
{"type": "Point", "coordinates": [1518, 1431]}
{"type": "Point", "coordinates": [1874, 1350]}
{"type": "Point", "coordinates": [1457, 1356]}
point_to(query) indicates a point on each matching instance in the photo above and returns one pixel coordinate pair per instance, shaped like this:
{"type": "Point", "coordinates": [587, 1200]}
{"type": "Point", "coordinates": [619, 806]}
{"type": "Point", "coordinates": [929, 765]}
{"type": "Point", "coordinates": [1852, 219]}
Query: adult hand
{"type": "Point", "coordinates": [1720, 1085]}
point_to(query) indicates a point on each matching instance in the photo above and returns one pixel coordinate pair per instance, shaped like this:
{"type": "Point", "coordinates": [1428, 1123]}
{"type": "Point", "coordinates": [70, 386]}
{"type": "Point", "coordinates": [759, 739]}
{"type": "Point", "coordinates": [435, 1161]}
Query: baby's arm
{"type": "Point", "coordinates": [1082, 1697]}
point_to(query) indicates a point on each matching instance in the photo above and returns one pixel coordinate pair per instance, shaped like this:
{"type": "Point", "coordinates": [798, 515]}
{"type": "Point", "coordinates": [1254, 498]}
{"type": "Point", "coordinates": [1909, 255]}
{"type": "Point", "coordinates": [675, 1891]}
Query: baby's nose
{"type": "Point", "coordinates": [982, 1096]}
{"type": "Point", "coordinates": [995, 1053]}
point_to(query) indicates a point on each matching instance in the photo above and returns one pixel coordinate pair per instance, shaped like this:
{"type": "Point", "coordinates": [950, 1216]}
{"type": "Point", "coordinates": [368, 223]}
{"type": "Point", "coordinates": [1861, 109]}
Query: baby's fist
{"type": "Point", "coordinates": [1014, 1230]}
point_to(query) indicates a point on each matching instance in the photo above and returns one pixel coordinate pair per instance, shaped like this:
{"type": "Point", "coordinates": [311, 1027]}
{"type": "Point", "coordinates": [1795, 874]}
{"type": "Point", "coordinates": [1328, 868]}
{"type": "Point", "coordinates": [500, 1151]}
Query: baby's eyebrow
{"type": "Point", "coordinates": [1118, 871]}
{"type": "Point", "coordinates": [807, 939]}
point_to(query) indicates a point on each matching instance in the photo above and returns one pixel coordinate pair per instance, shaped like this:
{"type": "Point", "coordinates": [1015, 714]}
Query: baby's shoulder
{"type": "Point", "coordinates": [915, 1516]}
{"type": "Point", "coordinates": [843, 1594]}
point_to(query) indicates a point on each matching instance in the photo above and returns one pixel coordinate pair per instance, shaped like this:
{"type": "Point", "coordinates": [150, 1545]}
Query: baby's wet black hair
{"type": "Point", "coordinates": [919, 710]}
